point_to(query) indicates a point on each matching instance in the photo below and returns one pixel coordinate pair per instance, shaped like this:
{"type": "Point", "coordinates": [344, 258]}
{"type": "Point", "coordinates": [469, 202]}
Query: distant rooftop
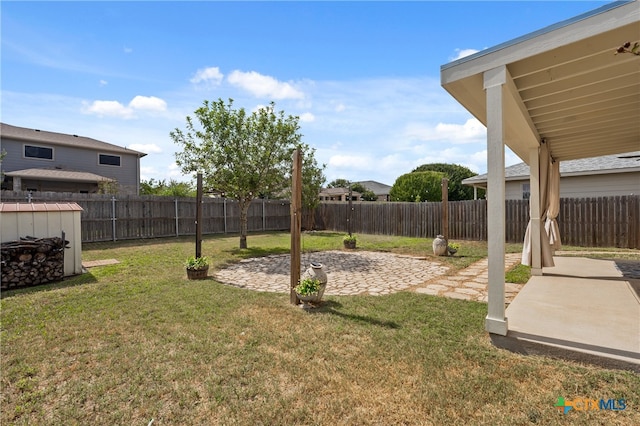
{"type": "Point", "coordinates": [618, 163]}
{"type": "Point", "coordinates": [375, 187]}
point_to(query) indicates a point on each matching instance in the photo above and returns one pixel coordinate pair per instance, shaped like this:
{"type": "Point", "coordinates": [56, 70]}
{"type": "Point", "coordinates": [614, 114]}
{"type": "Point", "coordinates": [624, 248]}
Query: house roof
{"type": "Point", "coordinates": [61, 139]}
{"type": "Point", "coordinates": [564, 83]}
{"type": "Point", "coordinates": [58, 175]}
{"type": "Point", "coordinates": [376, 187]}
{"type": "Point", "coordinates": [619, 163]}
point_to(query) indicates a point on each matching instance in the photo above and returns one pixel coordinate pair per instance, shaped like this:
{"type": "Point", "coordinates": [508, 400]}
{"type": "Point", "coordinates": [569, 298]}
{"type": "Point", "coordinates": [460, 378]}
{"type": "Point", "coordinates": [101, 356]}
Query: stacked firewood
{"type": "Point", "coordinates": [32, 261]}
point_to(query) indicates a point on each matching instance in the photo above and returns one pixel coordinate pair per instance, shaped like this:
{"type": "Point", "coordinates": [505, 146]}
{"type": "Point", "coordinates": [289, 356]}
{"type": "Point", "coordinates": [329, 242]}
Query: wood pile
{"type": "Point", "coordinates": [32, 261]}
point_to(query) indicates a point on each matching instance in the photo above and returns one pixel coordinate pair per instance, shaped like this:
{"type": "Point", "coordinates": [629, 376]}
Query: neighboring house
{"type": "Point", "coordinates": [342, 194]}
{"type": "Point", "coordinates": [588, 177]}
{"type": "Point", "coordinates": [380, 189]}
{"type": "Point", "coordinates": [37, 160]}
{"type": "Point", "coordinates": [338, 194]}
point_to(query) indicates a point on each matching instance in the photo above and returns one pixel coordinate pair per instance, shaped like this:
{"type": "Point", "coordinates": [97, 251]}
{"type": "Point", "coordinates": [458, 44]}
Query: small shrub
{"type": "Point", "coordinates": [308, 286]}
{"type": "Point", "coordinates": [196, 262]}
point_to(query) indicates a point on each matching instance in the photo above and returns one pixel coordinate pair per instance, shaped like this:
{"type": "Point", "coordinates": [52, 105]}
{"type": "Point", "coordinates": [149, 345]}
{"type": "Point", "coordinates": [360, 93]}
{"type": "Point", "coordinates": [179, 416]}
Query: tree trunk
{"type": "Point", "coordinates": [244, 210]}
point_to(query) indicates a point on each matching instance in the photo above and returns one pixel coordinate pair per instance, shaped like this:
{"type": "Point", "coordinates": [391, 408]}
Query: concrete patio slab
{"type": "Point", "coordinates": [584, 309]}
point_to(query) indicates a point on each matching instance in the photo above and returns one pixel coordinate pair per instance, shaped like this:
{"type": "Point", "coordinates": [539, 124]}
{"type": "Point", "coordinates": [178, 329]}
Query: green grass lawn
{"type": "Point", "coordinates": [136, 341]}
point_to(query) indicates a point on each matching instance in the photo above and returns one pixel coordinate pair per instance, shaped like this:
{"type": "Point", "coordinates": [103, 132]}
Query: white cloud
{"type": "Point", "coordinates": [103, 82]}
{"type": "Point", "coordinates": [352, 162]}
{"type": "Point", "coordinates": [461, 53]}
{"type": "Point", "coordinates": [127, 49]}
{"type": "Point", "coordinates": [472, 131]}
{"type": "Point", "coordinates": [210, 75]}
{"type": "Point", "coordinates": [147, 148]}
{"type": "Point", "coordinates": [116, 109]}
{"type": "Point", "coordinates": [307, 117]}
{"type": "Point", "coordinates": [263, 85]}
{"type": "Point", "coordinates": [176, 173]}
{"type": "Point", "coordinates": [147, 173]}
{"type": "Point", "coordinates": [340, 107]}
{"type": "Point", "coordinates": [149, 103]}
{"type": "Point", "coordinates": [109, 108]}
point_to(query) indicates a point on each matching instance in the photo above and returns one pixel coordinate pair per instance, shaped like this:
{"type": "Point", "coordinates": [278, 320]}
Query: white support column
{"type": "Point", "coordinates": [534, 206]}
{"type": "Point", "coordinates": [494, 84]}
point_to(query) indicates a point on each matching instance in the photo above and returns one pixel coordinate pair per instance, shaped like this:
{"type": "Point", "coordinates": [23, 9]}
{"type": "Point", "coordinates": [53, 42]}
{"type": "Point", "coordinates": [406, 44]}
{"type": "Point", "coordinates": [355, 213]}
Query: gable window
{"type": "Point", "coordinates": [109, 160]}
{"type": "Point", "coordinates": [526, 191]}
{"type": "Point", "coordinates": [42, 152]}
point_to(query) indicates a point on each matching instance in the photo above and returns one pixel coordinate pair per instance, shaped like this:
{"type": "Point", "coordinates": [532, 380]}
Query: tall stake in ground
{"type": "Point", "coordinates": [199, 216]}
{"type": "Point", "coordinates": [296, 223]}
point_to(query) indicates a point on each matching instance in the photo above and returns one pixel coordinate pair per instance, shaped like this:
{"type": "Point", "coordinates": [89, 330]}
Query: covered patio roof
{"type": "Point", "coordinates": [560, 93]}
{"type": "Point", "coordinates": [564, 83]}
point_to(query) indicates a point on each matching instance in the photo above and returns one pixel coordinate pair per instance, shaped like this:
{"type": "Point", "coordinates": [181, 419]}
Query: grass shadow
{"type": "Point", "coordinates": [74, 281]}
{"type": "Point", "coordinates": [257, 251]}
{"type": "Point", "coordinates": [330, 307]}
{"type": "Point", "coordinates": [324, 234]}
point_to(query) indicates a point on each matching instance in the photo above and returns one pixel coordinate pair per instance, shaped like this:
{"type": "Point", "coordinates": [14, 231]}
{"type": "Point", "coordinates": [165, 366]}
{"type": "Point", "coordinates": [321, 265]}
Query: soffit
{"type": "Point", "coordinates": [567, 82]}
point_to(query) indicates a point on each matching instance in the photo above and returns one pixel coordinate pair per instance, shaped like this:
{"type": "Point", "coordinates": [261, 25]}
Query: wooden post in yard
{"type": "Point", "coordinates": [296, 223]}
{"type": "Point", "coordinates": [445, 208]}
{"type": "Point", "coordinates": [199, 216]}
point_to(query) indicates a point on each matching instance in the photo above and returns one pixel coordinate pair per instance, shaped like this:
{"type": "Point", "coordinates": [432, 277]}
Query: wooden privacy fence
{"type": "Point", "coordinates": [588, 222]}
{"type": "Point", "coordinates": [107, 217]}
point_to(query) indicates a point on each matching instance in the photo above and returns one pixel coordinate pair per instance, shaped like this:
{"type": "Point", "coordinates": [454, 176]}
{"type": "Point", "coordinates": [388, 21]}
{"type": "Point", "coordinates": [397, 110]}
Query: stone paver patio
{"type": "Point", "coordinates": [373, 273]}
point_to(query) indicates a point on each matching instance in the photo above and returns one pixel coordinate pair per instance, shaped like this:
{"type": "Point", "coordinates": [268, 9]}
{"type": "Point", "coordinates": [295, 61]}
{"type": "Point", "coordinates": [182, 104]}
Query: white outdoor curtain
{"type": "Point", "coordinates": [553, 206]}
{"type": "Point", "coordinates": [544, 179]}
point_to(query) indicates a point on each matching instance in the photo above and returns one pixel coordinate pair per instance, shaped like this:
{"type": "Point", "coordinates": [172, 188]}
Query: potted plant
{"type": "Point", "coordinates": [197, 267]}
{"type": "Point", "coordinates": [452, 248]}
{"type": "Point", "coordinates": [310, 290]}
{"type": "Point", "coordinates": [349, 241]}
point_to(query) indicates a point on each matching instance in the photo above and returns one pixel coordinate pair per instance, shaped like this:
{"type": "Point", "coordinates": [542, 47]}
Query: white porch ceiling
{"type": "Point", "coordinates": [566, 85]}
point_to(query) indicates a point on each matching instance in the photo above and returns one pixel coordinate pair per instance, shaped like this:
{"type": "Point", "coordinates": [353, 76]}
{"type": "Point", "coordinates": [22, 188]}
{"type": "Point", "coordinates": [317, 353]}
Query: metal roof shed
{"type": "Point", "coordinates": [44, 220]}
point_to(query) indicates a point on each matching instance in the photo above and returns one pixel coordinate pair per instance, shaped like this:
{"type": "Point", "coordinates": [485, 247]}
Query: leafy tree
{"type": "Point", "coordinates": [173, 188]}
{"type": "Point", "coordinates": [242, 155]}
{"type": "Point", "coordinates": [312, 178]}
{"type": "Point", "coordinates": [455, 174]}
{"type": "Point", "coordinates": [339, 183]}
{"type": "Point", "coordinates": [365, 194]}
{"type": "Point", "coordinates": [108, 187]}
{"type": "Point", "coordinates": [417, 186]}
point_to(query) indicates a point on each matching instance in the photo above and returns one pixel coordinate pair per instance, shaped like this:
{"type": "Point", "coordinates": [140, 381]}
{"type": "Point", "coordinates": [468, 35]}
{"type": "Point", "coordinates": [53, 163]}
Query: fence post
{"type": "Point", "coordinates": [175, 202]}
{"type": "Point", "coordinates": [445, 208]}
{"type": "Point", "coordinates": [264, 218]}
{"type": "Point", "coordinates": [224, 213]}
{"type": "Point", "coordinates": [113, 217]}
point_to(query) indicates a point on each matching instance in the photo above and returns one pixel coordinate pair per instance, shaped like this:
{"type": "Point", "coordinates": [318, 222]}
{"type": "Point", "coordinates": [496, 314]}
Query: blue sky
{"type": "Point", "coordinates": [364, 77]}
